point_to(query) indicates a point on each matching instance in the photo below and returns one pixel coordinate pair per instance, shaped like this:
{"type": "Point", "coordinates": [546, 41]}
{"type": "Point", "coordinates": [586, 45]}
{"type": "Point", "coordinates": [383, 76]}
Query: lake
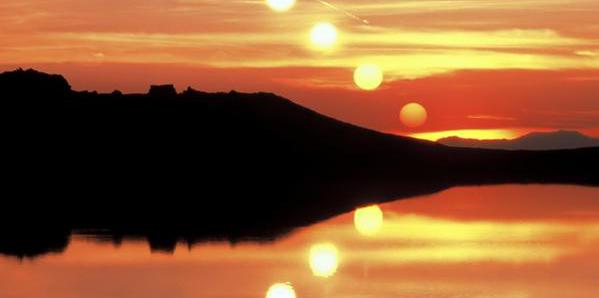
{"type": "Point", "coordinates": [506, 241]}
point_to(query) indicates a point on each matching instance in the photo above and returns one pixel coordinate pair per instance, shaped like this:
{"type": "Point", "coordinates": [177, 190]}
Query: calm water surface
{"type": "Point", "coordinates": [480, 242]}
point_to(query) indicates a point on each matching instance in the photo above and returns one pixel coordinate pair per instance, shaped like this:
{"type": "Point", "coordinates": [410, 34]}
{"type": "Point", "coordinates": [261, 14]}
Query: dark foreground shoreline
{"type": "Point", "coordinates": [198, 166]}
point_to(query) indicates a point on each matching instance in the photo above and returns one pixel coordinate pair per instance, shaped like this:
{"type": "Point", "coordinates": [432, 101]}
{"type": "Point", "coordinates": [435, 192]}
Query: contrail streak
{"type": "Point", "coordinates": [345, 12]}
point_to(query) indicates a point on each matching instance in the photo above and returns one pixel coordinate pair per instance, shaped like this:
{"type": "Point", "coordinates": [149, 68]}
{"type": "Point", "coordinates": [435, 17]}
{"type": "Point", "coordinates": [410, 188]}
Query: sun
{"type": "Point", "coordinates": [413, 115]}
{"type": "Point", "coordinates": [324, 259]}
{"type": "Point", "coordinates": [368, 220]}
{"type": "Point", "coordinates": [323, 35]}
{"type": "Point", "coordinates": [368, 76]}
{"type": "Point", "coordinates": [280, 290]}
{"type": "Point", "coordinates": [280, 5]}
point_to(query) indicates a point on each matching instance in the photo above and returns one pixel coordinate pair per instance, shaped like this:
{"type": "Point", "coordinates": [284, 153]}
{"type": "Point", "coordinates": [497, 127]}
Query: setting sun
{"type": "Point", "coordinates": [324, 259]}
{"type": "Point", "coordinates": [281, 290]}
{"type": "Point", "coordinates": [413, 115]}
{"type": "Point", "coordinates": [368, 76]}
{"type": "Point", "coordinates": [280, 5]}
{"type": "Point", "coordinates": [323, 35]}
{"type": "Point", "coordinates": [368, 220]}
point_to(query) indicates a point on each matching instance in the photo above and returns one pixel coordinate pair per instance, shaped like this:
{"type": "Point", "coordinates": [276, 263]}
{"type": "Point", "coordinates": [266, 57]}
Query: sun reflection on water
{"type": "Point", "coordinates": [531, 241]}
{"type": "Point", "coordinates": [368, 220]}
{"type": "Point", "coordinates": [324, 259]}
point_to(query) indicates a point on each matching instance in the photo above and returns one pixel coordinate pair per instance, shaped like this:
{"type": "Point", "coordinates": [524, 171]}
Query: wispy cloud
{"type": "Point", "coordinates": [247, 34]}
{"type": "Point", "coordinates": [491, 117]}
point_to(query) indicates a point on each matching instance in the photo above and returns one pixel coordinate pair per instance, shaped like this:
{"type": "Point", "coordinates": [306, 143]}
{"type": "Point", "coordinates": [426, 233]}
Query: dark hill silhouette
{"type": "Point", "coordinates": [162, 91]}
{"type": "Point", "coordinates": [195, 166]}
{"type": "Point", "coordinates": [533, 141]}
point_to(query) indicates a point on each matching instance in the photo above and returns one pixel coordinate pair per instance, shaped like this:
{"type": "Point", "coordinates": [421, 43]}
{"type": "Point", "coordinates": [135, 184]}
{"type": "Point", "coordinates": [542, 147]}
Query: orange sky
{"type": "Point", "coordinates": [474, 64]}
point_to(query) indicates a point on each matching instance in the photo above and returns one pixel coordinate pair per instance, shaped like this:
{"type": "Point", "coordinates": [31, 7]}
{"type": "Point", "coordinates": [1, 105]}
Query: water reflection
{"type": "Point", "coordinates": [324, 259]}
{"type": "Point", "coordinates": [280, 290]}
{"type": "Point", "coordinates": [419, 239]}
{"type": "Point", "coordinates": [501, 241]}
{"type": "Point", "coordinates": [368, 220]}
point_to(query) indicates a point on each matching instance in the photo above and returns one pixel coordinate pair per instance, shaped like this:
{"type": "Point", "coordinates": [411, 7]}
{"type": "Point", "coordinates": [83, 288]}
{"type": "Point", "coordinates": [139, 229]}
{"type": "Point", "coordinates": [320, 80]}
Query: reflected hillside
{"type": "Point", "coordinates": [195, 166]}
{"type": "Point", "coordinates": [536, 241]}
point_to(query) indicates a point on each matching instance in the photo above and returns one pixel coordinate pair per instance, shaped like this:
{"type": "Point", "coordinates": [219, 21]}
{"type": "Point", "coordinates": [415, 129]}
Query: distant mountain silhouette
{"type": "Point", "coordinates": [533, 141]}
{"type": "Point", "coordinates": [195, 166]}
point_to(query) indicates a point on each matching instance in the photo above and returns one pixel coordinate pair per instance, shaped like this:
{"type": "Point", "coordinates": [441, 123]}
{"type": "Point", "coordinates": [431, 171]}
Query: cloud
{"type": "Point", "coordinates": [411, 39]}
{"type": "Point", "coordinates": [402, 54]}
{"type": "Point", "coordinates": [490, 117]}
{"type": "Point", "coordinates": [588, 53]}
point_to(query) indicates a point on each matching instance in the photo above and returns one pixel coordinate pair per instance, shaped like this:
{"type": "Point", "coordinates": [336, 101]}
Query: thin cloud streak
{"type": "Point", "coordinates": [407, 54]}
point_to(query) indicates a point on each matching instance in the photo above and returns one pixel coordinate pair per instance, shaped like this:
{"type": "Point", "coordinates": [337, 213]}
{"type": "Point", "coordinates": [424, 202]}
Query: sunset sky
{"type": "Point", "coordinates": [504, 66]}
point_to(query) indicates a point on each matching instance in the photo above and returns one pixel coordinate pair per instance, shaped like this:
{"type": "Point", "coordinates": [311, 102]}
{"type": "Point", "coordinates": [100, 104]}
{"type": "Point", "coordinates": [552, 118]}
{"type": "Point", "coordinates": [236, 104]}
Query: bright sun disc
{"type": "Point", "coordinates": [413, 115]}
{"type": "Point", "coordinates": [368, 76]}
{"type": "Point", "coordinates": [324, 259]}
{"type": "Point", "coordinates": [323, 35]}
{"type": "Point", "coordinates": [280, 290]}
{"type": "Point", "coordinates": [280, 5]}
{"type": "Point", "coordinates": [368, 220]}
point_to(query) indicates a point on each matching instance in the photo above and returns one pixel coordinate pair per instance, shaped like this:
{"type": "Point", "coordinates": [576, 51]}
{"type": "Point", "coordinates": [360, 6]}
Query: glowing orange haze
{"type": "Point", "coordinates": [474, 64]}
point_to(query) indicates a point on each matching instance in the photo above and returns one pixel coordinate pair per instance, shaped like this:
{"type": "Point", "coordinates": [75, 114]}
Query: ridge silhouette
{"type": "Point", "coordinates": [562, 139]}
{"type": "Point", "coordinates": [199, 166]}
